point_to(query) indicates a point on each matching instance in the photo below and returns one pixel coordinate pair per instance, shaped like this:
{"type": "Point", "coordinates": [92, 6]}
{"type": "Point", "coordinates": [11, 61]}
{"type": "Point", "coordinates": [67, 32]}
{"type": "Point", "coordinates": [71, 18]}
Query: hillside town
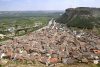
{"type": "Point", "coordinates": [52, 44]}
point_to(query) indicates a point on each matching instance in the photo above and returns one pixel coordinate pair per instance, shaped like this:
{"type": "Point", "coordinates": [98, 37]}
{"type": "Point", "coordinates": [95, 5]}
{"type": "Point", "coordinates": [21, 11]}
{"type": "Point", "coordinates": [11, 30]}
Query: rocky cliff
{"type": "Point", "coordinates": [82, 17]}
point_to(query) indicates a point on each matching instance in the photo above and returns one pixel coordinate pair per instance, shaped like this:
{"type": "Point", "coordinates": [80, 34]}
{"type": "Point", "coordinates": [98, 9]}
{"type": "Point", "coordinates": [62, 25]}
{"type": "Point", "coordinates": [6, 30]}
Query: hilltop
{"type": "Point", "coordinates": [81, 17]}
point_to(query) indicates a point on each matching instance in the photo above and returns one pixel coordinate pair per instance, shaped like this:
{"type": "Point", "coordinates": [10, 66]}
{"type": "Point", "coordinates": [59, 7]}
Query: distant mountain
{"type": "Point", "coordinates": [81, 17]}
{"type": "Point", "coordinates": [29, 13]}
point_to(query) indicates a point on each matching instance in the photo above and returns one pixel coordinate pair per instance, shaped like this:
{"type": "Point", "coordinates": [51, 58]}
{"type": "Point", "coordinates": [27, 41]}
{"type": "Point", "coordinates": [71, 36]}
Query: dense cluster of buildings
{"type": "Point", "coordinates": [53, 44]}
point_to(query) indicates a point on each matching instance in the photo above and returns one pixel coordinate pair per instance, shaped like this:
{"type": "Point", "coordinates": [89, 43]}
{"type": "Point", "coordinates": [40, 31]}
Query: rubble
{"type": "Point", "coordinates": [53, 44]}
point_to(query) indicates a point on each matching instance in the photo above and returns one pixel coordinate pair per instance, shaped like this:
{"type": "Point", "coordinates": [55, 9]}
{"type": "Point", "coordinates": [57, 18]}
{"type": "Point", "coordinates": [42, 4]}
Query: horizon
{"type": "Point", "coordinates": [36, 10]}
{"type": "Point", "coordinates": [45, 5]}
{"type": "Point", "coordinates": [47, 10]}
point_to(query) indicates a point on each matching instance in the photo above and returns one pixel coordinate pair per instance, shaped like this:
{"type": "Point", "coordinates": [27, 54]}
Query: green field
{"type": "Point", "coordinates": [25, 19]}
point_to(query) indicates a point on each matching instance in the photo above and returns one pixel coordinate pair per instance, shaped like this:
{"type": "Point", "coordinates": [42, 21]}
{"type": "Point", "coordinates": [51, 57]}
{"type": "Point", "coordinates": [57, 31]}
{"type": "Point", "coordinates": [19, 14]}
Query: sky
{"type": "Point", "coordinates": [35, 5]}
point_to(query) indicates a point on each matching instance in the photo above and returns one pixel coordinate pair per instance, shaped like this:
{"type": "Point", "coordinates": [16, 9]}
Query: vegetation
{"type": "Point", "coordinates": [38, 64]}
{"type": "Point", "coordinates": [84, 18]}
{"type": "Point", "coordinates": [80, 23]}
{"type": "Point", "coordinates": [22, 20]}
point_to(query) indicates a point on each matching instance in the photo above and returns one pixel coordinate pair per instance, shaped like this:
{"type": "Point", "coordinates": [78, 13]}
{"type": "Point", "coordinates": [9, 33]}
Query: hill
{"type": "Point", "coordinates": [81, 17]}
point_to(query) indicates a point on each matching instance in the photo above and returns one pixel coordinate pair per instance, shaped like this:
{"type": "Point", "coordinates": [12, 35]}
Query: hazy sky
{"type": "Point", "coordinates": [13, 5]}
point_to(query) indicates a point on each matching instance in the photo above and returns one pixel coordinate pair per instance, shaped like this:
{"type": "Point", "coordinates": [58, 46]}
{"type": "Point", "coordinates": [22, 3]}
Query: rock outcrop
{"type": "Point", "coordinates": [82, 17]}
